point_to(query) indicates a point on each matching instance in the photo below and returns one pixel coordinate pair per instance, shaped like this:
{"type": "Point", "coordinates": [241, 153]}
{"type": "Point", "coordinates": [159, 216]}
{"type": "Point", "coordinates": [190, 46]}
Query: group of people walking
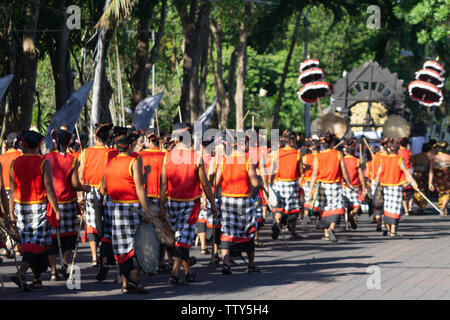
{"type": "Point", "coordinates": [222, 194]}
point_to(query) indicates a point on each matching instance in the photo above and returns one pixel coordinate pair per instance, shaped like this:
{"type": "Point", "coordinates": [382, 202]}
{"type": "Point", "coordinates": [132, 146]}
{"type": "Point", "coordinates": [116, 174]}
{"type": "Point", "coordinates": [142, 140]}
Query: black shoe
{"type": "Point", "coordinates": [16, 280]}
{"type": "Point", "coordinates": [226, 269]}
{"type": "Point", "coordinates": [351, 219]}
{"type": "Point", "coordinates": [101, 275]}
{"type": "Point", "coordinates": [378, 228]}
{"type": "Point", "coordinates": [190, 277]}
{"type": "Point", "coordinates": [385, 233]}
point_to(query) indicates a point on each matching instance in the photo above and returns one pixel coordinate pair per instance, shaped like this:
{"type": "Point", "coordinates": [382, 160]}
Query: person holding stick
{"type": "Point", "coordinates": [392, 175]}
{"type": "Point", "coordinates": [305, 178]}
{"type": "Point", "coordinates": [32, 188]}
{"type": "Point", "coordinates": [182, 174]}
{"type": "Point", "coordinates": [92, 168]}
{"type": "Point", "coordinates": [329, 169]}
{"type": "Point", "coordinates": [66, 183]}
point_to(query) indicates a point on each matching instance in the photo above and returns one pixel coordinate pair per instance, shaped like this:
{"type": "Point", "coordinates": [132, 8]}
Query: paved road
{"type": "Point", "coordinates": [416, 266]}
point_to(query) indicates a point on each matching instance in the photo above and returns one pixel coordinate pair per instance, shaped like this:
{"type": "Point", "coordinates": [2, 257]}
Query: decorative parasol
{"type": "Point", "coordinates": [310, 75]}
{"type": "Point", "coordinates": [434, 65]}
{"type": "Point", "coordinates": [309, 63]}
{"type": "Point", "coordinates": [314, 91]}
{"type": "Point", "coordinates": [425, 93]}
{"type": "Point", "coordinates": [396, 127]}
{"type": "Point", "coordinates": [431, 76]}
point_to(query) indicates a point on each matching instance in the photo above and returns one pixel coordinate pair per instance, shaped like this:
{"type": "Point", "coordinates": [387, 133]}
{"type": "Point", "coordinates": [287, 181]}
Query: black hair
{"type": "Point", "coordinates": [426, 147]}
{"type": "Point", "coordinates": [62, 139]}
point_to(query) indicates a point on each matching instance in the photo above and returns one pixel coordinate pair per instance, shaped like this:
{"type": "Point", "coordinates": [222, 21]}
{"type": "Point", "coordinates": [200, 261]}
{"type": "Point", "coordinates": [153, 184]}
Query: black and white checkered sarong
{"type": "Point", "coordinates": [124, 225]}
{"type": "Point", "coordinates": [67, 219]}
{"type": "Point", "coordinates": [90, 207]}
{"type": "Point", "coordinates": [32, 223]}
{"type": "Point", "coordinates": [351, 197]}
{"type": "Point", "coordinates": [179, 212]}
{"type": "Point", "coordinates": [238, 216]}
{"type": "Point", "coordinates": [288, 196]}
{"type": "Point", "coordinates": [393, 196]}
{"type": "Point", "coordinates": [107, 218]}
{"type": "Point", "coordinates": [330, 197]}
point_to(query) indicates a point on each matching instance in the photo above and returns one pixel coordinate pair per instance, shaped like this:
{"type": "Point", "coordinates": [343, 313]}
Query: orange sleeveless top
{"type": "Point", "coordinates": [352, 165]}
{"type": "Point", "coordinates": [309, 161]}
{"type": "Point", "coordinates": [391, 173]}
{"type": "Point", "coordinates": [5, 160]}
{"type": "Point", "coordinates": [28, 171]}
{"type": "Point", "coordinates": [329, 170]}
{"type": "Point", "coordinates": [235, 182]}
{"type": "Point", "coordinates": [181, 169]}
{"type": "Point", "coordinates": [62, 166]}
{"type": "Point", "coordinates": [153, 158]}
{"type": "Point", "coordinates": [368, 173]}
{"type": "Point", "coordinates": [288, 159]}
{"type": "Point", "coordinates": [119, 179]}
{"type": "Point", "coordinates": [95, 159]}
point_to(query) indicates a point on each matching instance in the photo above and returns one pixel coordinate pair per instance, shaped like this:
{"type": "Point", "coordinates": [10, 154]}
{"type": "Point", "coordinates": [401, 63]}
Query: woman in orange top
{"type": "Point", "coordinates": [181, 176]}
{"type": "Point", "coordinates": [123, 182]}
{"type": "Point", "coordinates": [408, 191]}
{"type": "Point", "coordinates": [391, 175]}
{"type": "Point", "coordinates": [237, 176]}
{"type": "Point", "coordinates": [31, 188]}
{"type": "Point", "coordinates": [66, 183]}
{"type": "Point", "coordinates": [92, 169]}
{"type": "Point", "coordinates": [329, 169]}
{"type": "Point", "coordinates": [286, 185]}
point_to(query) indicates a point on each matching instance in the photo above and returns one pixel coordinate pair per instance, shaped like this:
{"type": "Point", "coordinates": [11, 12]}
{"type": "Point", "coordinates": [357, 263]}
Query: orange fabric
{"type": "Point", "coordinates": [5, 160]}
{"type": "Point", "coordinates": [309, 161]}
{"type": "Point", "coordinates": [62, 166]}
{"type": "Point", "coordinates": [406, 155]}
{"type": "Point", "coordinates": [368, 172]}
{"type": "Point", "coordinates": [235, 182]}
{"type": "Point", "coordinates": [28, 171]}
{"type": "Point", "coordinates": [391, 173]}
{"type": "Point", "coordinates": [327, 213]}
{"type": "Point", "coordinates": [329, 170]}
{"type": "Point", "coordinates": [181, 168]}
{"type": "Point", "coordinates": [95, 159]}
{"type": "Point", "coordinates": [288, 159]}
{"type": "Point", "coordinates": [153, 158]}
{"type": "Point", "coordinates": [352, 165]}
{"type": "Point", "coordinates": [124, 257]}
{"type": "Point", "coordinates": [233, 239]}
{"type": "Point", "coordinates": [119, 179]}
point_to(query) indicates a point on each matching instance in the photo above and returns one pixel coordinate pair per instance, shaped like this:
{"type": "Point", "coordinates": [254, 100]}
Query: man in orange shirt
{"type": "Point", "coordinates": [92, 169]}
{"type": "Point", "coordinates": [408, 191]}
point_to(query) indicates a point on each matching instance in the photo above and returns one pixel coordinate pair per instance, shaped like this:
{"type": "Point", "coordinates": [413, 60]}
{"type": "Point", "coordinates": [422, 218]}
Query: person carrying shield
{"type": "Point", "coordinates": [123, 182]}
{"type": "Point", "coordinates": [31, 189]}
{"type": "Point", "coordinates": [66, 183]}
{"type": "Point", "coordinates": [182, 174]}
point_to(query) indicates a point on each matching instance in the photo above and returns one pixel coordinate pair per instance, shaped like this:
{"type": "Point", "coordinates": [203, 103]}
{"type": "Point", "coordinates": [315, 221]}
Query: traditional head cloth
{"type": "Point", "coordinates": [62, 138]}
{"type": "Point", "coordinates": [151, 132]}
{"type": "Point", "coordinates": [32, 139]}
{"type": "Point", "coordinates": [103, 131]}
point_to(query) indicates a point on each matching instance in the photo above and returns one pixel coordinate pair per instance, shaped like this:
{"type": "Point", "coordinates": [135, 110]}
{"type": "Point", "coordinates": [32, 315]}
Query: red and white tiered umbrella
{"type": "Point", "coordinates": [314, 91]}
{"type": "Point", "coordinates": [310, 75]}
{"type": "Point", "coordinates": [431, 76]}
{"type": "Point", "coordinates": [434, 65]}
{"type": "Point", "coordinates": [425, 93]}
{"type": "Point", "coordinates": [309, 63]}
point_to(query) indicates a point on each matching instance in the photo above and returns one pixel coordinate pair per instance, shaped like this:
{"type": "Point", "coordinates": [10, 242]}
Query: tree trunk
{"type": "Point", "coordinates": [193, 22]}
{"type": "Point", "coordinates": [101, 88]}
{"type": "Point", "coordinates": [244, 31]}
{"type": "Point", "coordinates": [285, 71]}
{"type": "Point", "coordinates": [58, 46]}
{"type": "Point", "coordinates": [224, 92]}
{"type": "Point", "coordinates": [28, 66]}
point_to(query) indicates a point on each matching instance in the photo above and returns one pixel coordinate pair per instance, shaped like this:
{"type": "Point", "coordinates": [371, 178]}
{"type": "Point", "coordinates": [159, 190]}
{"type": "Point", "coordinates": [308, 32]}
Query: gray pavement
{"type": "Point", "coordinates": [416, 266]}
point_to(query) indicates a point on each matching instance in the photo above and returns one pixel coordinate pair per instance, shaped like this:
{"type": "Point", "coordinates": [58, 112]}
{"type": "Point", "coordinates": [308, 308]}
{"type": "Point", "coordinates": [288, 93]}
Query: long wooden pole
{"type": "Point", "coordinates": [432, 204]}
